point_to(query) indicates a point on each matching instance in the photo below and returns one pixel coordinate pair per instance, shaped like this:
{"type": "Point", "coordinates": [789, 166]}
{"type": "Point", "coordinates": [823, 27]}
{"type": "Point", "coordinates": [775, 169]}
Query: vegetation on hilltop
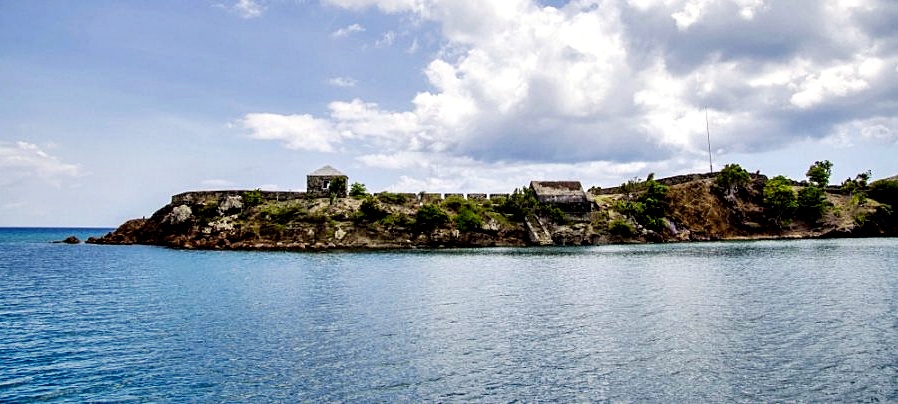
{"type": "Point", "coordinates": [732, 204]}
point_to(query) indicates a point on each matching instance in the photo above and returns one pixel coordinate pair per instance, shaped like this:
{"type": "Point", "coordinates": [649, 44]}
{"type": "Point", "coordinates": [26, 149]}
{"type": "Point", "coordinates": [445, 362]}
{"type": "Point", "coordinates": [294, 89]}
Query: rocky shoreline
{"type": "Point", "coordinates": [695, 209]}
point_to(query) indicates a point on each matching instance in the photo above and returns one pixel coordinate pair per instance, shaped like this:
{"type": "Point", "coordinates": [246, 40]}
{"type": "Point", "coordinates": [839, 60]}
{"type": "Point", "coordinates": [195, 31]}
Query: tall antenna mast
{"type": "Point", "coordinates": [708, 129]}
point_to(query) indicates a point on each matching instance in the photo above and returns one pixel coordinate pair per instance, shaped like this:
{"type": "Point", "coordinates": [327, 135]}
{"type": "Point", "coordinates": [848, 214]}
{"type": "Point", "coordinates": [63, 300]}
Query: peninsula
{"type": "Point", "coordinates": [729, 205]}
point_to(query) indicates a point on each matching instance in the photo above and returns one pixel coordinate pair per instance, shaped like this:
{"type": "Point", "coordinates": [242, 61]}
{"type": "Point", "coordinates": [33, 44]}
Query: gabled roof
{"type": "Point", "coordinates": [326, 171]}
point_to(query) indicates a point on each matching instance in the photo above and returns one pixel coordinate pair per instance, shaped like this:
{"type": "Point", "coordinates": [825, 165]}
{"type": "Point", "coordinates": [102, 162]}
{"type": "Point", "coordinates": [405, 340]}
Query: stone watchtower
{"type": "Point", "coordinates": [318, 182]}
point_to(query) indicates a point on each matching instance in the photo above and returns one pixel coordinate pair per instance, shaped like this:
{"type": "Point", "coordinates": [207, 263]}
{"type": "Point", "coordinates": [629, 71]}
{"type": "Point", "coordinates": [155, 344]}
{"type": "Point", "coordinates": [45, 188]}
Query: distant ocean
{"type": "Point", "coordinates": [801, 320]}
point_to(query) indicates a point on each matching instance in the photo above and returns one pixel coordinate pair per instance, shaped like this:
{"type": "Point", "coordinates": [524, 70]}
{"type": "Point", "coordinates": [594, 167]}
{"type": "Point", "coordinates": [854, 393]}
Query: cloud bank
{"type": "Point", "coordinates": [617, 85]}
{"type": "Point", "coordinates": [23, 161]}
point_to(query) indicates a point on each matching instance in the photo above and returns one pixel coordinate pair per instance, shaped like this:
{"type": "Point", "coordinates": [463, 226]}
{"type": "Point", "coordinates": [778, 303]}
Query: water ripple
{"type": "Point", "coordinates": [760, 321]}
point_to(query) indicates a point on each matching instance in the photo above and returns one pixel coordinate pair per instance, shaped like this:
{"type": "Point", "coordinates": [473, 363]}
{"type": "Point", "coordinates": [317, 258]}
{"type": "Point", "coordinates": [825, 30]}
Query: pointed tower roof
{"type": "Point", "coordinates": [327, 171]}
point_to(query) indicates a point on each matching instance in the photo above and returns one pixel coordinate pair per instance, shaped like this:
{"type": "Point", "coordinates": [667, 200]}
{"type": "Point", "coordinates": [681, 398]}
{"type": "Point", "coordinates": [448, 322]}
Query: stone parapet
{"type": "Point", "coordinates": [193, 197]}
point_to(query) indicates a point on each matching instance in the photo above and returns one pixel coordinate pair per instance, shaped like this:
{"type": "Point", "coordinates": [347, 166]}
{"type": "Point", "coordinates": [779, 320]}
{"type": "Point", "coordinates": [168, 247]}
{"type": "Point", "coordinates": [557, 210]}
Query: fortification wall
{"type": "Point", "coordinates": [201, 196]}
{"type": "Point", "coordinates": [193, 197]}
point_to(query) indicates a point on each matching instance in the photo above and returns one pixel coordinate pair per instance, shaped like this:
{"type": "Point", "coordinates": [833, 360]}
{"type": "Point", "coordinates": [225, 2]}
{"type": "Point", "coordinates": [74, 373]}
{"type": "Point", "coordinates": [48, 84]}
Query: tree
{"type": "Point", "coordinates": [780, 199]}
{"type": "Point", "coordinates": [520, 203]}
{"type": "Point", "coordinates": [430, 217]}
{"type": "Point", "coordinates": [337, 187]}
{"type": "Point", "coordinates": [730, 178]}
{"type": "Point", "coordinates": [655, 201]}
{"type": "Point", "coordinates": [630, 187]}
{"type": "Point", "coordinates": [857, 187]}
{"type": "Point", "coordinates": [358, 190]}
{"type": "Point", "coordinates": [811, 203]}
{"type": "Point", "coordinates": [649, 208]}
{"type": "Point", "coordinates": [818, 174]}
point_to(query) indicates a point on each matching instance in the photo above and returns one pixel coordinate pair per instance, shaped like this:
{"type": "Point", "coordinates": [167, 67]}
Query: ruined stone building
{"type": "Point", "coordinates": [318, 182]}
{"type": "Point", "coordinates": [566, 195]}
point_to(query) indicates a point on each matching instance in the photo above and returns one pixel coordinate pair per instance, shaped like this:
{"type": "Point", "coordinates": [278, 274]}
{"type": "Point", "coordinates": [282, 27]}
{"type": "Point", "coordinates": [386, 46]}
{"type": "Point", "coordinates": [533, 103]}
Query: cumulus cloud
{"type": "Point", "coordinates": [23, 161]}
{"type": "Point", "coordinates": [609, 83]}
{"type": "Point", "coordinates": [347, 31]}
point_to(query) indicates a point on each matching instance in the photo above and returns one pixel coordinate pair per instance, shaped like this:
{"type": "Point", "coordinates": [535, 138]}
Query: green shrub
{"type": "Point", "coordinates": [358, 190]}
{"type": "Point", "coordinates": [648, 208]}
{"type": "Point", "coordinates": [370, 211]}
{"type": "Point", "coordinates": [857, 186]}
{"type": "Point", "coordinates": [430, 217]}
{"type": "Point", "coordinates": [467, 220]}
{"type": "Point", "coordinates": [554, 213]}
{"type": "Point", "coordinates": [811, 203]}
{"type": "Point", "coordinates": [391, 198]}
{"type": "Point", "coordinates": [397, 220]}
{"type": "Point", "coordinates": [519, 204]}
{"type": "Point", "coordinates": [282, 213]}
{"type": "Point", "coordinates": [780, 199]}
{"type": "Point", "coordinates": [455, 203]}
{"type": "Point", "coordinates": [655, 201]}
{"type": "Point", "coordinates": [252, 198]}
{"type": "Point", "coordinates": [621, 227]}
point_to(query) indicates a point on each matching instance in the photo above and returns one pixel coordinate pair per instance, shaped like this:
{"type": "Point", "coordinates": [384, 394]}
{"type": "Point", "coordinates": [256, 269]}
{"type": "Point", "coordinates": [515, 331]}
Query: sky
{"type": "Point", "coordinates": [107, 108]}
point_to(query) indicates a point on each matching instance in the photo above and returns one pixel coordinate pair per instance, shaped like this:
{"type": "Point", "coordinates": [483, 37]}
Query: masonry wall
{"type": "Point", "coordinates": [192, 197]}
{"type": "Point", "coordinates": [202, 196]}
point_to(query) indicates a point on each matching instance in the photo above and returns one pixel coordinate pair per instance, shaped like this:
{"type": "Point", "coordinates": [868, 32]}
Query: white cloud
{"type": "Point", "coordinates": [835, 81]}
{"type": "Point", "coordinates": [298, 132]}
{"type": "Point", "coordinates": [27, 161]}
{"type": "Point", "coordinates": [386, 40]}
{"type": "Point", "coordinates": [605, 84]}
{"type": "Point", "coordinates": [347, 31]}
{"type": "Point", "coordinates": [342, 81]}
{"type": "Point", "coordinates": [248, 9]}
{"type": "Point", "coordinates": [883, 130]}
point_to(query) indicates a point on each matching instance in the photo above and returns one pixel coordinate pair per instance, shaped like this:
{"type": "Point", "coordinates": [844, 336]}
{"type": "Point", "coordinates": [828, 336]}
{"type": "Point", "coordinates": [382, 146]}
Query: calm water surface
{"type": "Point", "coordinates": [752, 321]}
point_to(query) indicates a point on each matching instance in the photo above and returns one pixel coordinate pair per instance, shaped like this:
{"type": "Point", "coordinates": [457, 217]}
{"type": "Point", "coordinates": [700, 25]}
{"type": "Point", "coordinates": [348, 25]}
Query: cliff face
{"type": "Point", "coordinates": [694, 210]}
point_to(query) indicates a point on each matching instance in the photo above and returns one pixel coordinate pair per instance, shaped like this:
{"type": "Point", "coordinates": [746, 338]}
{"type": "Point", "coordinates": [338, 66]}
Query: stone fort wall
{"type": "Point", "coordinates": [192, 197]}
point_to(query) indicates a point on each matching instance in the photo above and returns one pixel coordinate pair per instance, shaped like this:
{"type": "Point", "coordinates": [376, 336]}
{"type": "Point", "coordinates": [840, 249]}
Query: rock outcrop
{"type": "Point", "coordinates": [69, 240]}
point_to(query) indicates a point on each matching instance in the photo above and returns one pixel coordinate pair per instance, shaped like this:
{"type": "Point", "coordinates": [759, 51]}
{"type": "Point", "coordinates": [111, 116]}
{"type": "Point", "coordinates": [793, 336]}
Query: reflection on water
{"type": "Point", "coordinates": [747, 321]}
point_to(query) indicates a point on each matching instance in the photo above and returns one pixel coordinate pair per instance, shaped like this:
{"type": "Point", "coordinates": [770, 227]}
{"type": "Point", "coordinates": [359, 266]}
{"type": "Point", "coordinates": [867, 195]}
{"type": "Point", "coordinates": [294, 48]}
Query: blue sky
{"type": "Point", "coordinates": [110, 107]}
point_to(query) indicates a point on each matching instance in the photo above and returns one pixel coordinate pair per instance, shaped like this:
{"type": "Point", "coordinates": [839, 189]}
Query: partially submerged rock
{"type": "Point", "coordinates": [69, 240]}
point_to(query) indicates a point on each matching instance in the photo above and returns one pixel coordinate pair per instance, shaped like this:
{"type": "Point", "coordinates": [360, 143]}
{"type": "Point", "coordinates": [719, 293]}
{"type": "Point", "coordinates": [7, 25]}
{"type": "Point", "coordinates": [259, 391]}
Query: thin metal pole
{"type": "Point", "coordinates": [708, 129]}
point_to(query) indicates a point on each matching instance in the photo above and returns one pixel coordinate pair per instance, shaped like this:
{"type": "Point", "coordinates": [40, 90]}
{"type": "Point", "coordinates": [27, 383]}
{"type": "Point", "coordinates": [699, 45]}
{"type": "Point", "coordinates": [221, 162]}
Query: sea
{"type": "Point", "coordinates": [753, 321]}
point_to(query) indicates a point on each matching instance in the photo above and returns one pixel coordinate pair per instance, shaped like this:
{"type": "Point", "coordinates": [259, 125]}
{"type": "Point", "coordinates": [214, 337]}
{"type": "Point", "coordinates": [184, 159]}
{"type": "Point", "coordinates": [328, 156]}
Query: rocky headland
{"type": "Point", "coordinates": [699, 207]}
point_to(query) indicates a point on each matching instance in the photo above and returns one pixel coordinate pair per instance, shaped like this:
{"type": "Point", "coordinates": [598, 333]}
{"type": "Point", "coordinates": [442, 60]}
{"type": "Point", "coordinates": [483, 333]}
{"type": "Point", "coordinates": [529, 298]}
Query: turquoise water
{"type": "Point", "coordinates": [809, 320]}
